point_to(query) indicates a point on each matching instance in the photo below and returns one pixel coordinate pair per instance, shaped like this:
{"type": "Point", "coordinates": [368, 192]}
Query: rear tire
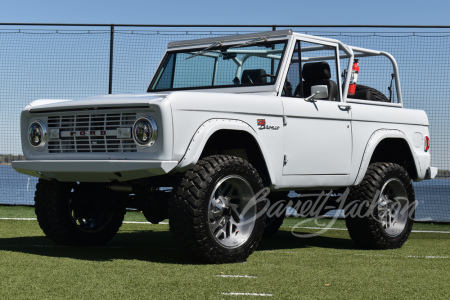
{"type": "Point", "coordinates": [69, 220]}
{"type": "Point", "coordinates": [275, 217]}
{"type": "Point", "coordinates": [384, 206]}
{"type": "Point", "coordinates": [206, 210]}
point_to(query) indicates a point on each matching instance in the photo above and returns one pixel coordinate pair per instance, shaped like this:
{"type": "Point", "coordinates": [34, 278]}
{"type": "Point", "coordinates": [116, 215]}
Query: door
{"type": "Point", "coordinates": [318, 134]}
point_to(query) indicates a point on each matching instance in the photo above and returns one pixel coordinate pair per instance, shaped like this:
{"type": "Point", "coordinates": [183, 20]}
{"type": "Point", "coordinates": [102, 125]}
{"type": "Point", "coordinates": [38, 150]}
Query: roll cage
{"type": "Point", "coordinates": [213, 48]}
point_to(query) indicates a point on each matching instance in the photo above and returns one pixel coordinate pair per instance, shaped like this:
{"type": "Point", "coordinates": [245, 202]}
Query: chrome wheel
{"type": "Point", "coordinates": [232, 211]}
{"type": "Point", "coordinates": [393, 212]}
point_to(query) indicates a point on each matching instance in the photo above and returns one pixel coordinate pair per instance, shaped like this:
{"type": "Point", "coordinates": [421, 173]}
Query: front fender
{"type": "Point", "coordinates": [206, 130]}
{"type": "Point", "coordinates": [372, 144]}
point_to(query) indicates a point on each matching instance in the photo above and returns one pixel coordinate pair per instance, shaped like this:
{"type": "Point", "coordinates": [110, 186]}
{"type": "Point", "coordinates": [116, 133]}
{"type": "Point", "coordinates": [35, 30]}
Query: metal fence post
{"type": "Point", "coordinates": [111, 57]}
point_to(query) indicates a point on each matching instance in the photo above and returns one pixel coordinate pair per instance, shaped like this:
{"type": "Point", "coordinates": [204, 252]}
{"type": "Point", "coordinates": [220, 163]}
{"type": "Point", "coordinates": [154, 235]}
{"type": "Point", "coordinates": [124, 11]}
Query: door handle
{"type": "Point", "coordinates": [345, 106]}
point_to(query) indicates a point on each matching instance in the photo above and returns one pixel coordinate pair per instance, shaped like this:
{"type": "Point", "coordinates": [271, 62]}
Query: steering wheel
{"type": "Point", "coordinates": [271, 76]}
{"type": "Point", "coordinates": [264, 75]}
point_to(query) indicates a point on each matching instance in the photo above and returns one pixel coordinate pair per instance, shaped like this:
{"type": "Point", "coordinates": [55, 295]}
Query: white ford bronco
{"type": "Point", "coordinates": [225, 120]}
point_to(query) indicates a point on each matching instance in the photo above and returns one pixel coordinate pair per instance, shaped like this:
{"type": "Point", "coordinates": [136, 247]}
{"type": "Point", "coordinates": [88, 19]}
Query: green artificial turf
{"type": "Point", "coordinates": [142, 262]}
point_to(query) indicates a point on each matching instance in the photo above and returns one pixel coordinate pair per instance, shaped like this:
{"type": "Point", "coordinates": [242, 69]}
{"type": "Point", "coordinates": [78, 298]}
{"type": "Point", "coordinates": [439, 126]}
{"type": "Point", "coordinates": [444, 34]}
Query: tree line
{"type": "Point", "coordinates": [443, 173]}
{"type": "Point", "coordinates": [6, 159]}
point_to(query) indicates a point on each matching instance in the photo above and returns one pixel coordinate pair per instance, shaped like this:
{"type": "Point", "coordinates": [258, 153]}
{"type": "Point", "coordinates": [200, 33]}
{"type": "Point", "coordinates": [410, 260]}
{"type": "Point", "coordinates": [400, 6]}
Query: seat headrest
{"type": "Point", "coordinates": [316, 71]}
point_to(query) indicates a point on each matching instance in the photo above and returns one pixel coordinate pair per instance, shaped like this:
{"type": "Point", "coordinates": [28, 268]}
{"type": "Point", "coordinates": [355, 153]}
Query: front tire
{"type": "Point", "coordinates": [213, 214]}
{"type": "Point", "coordinates": [382, 213]}
{"type": "Point", "coordinates": [68, 219]}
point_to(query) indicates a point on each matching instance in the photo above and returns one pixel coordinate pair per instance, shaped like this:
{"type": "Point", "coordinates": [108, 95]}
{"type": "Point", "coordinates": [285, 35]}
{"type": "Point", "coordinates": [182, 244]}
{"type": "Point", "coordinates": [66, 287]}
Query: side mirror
{"type": "Point", "coordinates": [317, 92]}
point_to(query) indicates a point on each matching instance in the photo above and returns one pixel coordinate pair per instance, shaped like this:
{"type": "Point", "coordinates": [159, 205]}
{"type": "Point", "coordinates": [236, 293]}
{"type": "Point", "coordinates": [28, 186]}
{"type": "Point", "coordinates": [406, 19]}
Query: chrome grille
{"type": "Point", "coordinates": [101, 129]}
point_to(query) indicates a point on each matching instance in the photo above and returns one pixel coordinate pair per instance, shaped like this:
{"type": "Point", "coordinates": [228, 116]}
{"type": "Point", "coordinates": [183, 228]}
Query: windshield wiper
{"type": "Point", "coordinates": [205, 50]}
{"type": "Point", "coordinates": [252, 42]}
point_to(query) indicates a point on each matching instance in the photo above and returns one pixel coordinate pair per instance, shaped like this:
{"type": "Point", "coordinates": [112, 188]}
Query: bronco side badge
{"type": "Point", "coordinates": [262, 125]}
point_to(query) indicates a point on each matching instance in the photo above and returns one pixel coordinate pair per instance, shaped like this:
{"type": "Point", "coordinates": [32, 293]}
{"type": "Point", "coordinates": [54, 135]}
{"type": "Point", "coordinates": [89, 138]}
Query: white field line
{"type": "Point", "coordinates": [237, 276]}
{"type": "Point", "coordinates": [247, 294]}
{"type": "Point", "coordinates": [429, 231]}
{"type": "Point", "coordinates": [428, 256]}
{"type": "Point", "coordinates": [165, 223]}
{"type": "Point", "coordinates": [125, 222]}
{"type": "Point", "coordinates": [19, 219]}
{"type": "Point", "coordinates": [90, 247]}
{"type": "Point", "coordinates": [409, 256]}
{"type": "Point", "coordinates": [362, 254]}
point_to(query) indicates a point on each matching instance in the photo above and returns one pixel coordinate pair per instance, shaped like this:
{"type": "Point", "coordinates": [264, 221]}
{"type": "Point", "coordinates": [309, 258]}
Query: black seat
{"type": "Point", "coordinates": [317, 73]}
{"type": "Point", "coordinates": [253, 76]}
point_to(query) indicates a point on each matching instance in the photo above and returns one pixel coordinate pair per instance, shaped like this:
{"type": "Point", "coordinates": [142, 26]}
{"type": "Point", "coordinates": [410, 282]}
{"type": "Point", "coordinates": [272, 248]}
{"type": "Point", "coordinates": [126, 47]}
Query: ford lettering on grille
{"type": "Point", "coordinates": [86, 133]}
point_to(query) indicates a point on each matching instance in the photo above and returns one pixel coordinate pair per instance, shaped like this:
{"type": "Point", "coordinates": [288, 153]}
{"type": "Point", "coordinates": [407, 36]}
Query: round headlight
{"type": "Point", "coordinates": [145, 131]}
{"type": "Point", "coordinates": [37, 134]}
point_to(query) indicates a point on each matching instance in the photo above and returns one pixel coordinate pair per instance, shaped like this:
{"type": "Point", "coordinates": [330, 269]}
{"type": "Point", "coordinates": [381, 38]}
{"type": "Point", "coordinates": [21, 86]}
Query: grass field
{"type": "Point", "coordinates": [142, 262]}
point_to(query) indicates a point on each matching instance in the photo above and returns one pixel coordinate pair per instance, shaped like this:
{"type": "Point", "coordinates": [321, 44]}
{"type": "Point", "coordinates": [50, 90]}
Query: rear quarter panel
{"type": "Point", "coordinates": [371, 124]}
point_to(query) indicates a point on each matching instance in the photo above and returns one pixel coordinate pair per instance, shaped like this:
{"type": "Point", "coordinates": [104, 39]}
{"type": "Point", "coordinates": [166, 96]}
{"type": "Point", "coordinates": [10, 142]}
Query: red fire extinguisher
{"type": "Point", "coordinates": [354, 78]}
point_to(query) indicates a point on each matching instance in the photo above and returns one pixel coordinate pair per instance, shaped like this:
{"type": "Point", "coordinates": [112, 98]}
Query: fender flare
{"type": "Point", "coordinates": [206, 130]}
{"type": "Point", "coordinates": [372, 144]}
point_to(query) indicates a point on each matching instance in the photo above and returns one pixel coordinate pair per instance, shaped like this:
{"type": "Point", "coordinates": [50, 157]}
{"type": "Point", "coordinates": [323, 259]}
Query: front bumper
{"type": "Point", "coordinates": [93, 170]}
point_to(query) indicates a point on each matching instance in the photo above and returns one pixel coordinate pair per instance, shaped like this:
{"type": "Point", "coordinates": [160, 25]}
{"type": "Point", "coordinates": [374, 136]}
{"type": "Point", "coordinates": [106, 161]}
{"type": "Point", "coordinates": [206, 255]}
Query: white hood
{"type": "Point", "coordinates": [110, 101]}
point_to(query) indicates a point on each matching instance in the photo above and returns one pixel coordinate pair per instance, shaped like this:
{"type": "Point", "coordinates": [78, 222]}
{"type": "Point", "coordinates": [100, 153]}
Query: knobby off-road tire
{"type": "Point", "coordinates": [375, 95]}
{"type": "Point", "coordinates": [66, 221]}
{"type": "Point", "coordinates": [207, 210]}
{"type": "Point", "coordinates": [386, 223]}
{"type": "Point", "coordinates": [156, 209]}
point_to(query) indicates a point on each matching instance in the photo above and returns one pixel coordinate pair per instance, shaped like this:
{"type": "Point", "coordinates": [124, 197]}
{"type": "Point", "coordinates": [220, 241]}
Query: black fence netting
{"type": "Point", "coordinates": [75, 64]}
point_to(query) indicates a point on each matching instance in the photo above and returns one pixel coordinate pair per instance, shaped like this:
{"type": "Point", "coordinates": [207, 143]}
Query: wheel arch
{"type": "Point", "coordinates": [230, 137]}
{"type": "Point", "coordinates": [389, 146]}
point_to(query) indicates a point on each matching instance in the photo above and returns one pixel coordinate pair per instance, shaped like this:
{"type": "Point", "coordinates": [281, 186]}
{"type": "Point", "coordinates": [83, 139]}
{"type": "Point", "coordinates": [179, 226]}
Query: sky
{"type": "Point", "coordinates": [380, 12]}
{"type": "Point", "coordinates": [231, 12]}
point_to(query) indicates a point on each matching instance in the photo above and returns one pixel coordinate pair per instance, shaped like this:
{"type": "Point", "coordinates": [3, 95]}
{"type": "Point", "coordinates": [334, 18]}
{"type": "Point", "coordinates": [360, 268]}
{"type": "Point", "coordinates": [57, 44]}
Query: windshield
{"type": "Point", "coordinates": [220, 66]}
